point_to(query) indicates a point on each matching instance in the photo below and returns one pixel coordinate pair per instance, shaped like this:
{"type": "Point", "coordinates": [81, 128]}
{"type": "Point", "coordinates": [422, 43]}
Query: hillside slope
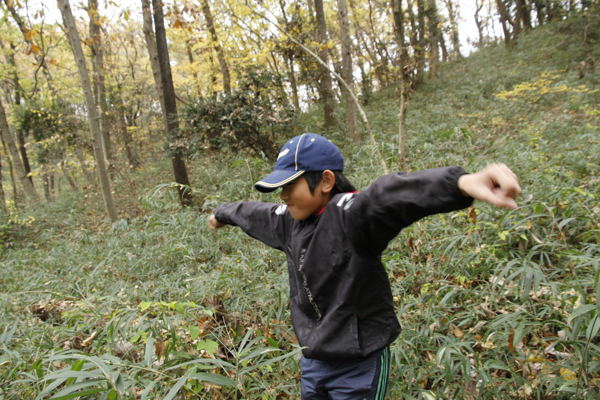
{"type": "Point", "coordinates": [494, 304]}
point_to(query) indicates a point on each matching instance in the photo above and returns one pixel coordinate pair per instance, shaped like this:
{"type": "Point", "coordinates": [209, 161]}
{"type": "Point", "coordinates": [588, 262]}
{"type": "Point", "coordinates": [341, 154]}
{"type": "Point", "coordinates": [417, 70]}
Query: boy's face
{"type": "Point", "coordinates": [301, 203]}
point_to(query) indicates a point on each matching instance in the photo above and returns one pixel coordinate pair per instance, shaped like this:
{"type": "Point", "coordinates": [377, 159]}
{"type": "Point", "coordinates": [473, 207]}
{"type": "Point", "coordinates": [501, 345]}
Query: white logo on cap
{"type": "Point", "coordinates": [283, 153]}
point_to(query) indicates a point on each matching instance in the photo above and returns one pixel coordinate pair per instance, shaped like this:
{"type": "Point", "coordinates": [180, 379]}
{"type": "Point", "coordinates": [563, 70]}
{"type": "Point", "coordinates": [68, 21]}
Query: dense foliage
{"type": "Point", "coordinates": [250, 118]}
{"type": "Point", "coordinates": [494, 304]}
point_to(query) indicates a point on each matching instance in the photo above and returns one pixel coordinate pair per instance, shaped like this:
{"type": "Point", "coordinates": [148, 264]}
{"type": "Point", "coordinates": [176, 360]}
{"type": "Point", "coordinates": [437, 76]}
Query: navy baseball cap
{"type": "Point", "coordinates": [304, 153]}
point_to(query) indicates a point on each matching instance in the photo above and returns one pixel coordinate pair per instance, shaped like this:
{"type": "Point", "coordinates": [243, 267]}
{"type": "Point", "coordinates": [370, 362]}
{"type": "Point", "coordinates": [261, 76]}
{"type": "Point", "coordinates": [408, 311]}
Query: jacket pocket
{"type": "Point", "coordinates": [336, 342]}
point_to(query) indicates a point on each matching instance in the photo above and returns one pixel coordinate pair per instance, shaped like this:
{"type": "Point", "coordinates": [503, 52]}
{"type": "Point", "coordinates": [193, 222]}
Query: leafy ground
{"type": "Point", "coordinates": [494, 304]}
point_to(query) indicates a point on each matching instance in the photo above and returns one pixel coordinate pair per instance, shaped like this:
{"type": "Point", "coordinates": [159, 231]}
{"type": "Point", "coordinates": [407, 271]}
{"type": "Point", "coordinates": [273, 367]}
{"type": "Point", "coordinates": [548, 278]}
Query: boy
{"type": "Point", "coordinates": [340, 297]}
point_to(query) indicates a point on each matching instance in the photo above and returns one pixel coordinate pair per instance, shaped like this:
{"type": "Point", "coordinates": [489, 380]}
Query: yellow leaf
{"type": "Point", "coordinates": [568, 374]}
{"type": "Point", "coordinates": [35, 49]}
{"type": "Point", "coordinates": [472, 215]}
{"type": "Point", "coordinates": [458, 333]}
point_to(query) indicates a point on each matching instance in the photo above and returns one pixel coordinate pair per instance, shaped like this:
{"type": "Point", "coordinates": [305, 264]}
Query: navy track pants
{"type": "Point", "coordinates": [352, 380]}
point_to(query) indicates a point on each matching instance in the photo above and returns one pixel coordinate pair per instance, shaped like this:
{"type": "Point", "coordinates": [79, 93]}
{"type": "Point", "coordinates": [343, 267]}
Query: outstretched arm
{"type": "Point", "coordinates": [495, 184]}
{"type": "Point", "coordinates": [268, 222]}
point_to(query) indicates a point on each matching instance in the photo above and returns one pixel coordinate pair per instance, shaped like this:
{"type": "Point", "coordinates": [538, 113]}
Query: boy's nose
{"type": "Point", "coordinates": [284, 193]}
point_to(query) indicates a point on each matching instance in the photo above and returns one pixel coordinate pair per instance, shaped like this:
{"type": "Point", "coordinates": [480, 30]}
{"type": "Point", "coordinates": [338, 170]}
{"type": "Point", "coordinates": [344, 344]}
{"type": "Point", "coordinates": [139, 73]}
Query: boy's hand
{"type": "Point", "coordinates": [213, 224]}
{"type": "Point", "coordinates": [495, 184]}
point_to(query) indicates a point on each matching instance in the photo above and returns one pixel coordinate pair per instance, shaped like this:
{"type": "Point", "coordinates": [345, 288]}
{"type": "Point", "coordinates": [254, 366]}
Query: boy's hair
{"type": "Point", "coordinates": [342, 184]}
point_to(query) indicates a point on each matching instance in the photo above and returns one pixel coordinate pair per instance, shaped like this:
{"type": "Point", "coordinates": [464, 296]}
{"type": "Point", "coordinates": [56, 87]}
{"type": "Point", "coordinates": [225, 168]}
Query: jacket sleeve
{"type": "Point", "coordinates": [394, 201]}
{"type": "Point", "coordinates": [267, 222]}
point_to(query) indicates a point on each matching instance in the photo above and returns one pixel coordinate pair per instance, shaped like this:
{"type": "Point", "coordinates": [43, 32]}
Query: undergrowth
{"type": "Point", "coordinates": [493, 303]}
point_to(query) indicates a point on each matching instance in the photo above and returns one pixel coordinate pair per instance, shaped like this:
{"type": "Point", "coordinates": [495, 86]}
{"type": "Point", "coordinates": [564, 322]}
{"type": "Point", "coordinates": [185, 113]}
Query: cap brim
{"type": "Point", "coordinates": [276, 179]}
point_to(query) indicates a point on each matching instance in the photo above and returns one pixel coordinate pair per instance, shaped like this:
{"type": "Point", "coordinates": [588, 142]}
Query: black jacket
{"type": "Point", "coordinates": [340, 296]}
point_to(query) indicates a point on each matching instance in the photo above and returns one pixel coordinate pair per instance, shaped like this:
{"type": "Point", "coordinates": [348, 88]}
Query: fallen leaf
{"type": "Point", "coordinates": [511, 339]}
{"type": "Point", "coordinates": [88, 340]}
{"type": "Point", "coordinates": [472, 215]}
{"type": "Point", "coordinates": [568, 374]}
{"type": "Point", "coordinates": [159, 348]}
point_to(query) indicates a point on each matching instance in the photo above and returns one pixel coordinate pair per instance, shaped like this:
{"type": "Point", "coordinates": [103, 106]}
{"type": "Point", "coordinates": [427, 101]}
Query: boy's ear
{"type": "Point", "coordinates": [328, 181]}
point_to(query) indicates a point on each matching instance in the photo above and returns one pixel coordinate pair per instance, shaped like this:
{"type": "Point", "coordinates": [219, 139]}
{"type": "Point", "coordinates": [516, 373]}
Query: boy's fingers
{"type": "Point", "coordinates": [213, 224]}
{"type": "Point", "coordinates": [506, 180]}
{"type": "Point", "coordinates": [495, 184]}
{"type": "Point", "coordinates": [503, 199]}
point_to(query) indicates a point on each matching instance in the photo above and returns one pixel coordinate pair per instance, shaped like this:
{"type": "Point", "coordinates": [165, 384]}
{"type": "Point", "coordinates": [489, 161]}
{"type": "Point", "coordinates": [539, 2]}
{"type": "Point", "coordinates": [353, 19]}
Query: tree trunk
{"type": "Point", "coordinates": [421, 44]}
{"type": "Point", "coordinates": [188, 48]}
{"type": "Point", "coordinates": [454, 27]}
{"type": "Point", "coordinates": [68, 176]}
{"type": "Point", "coordinates": [347, 74]}
{"type": "Point", "coordinates": [384, 60]}
{"type": "Point", "coordinates": [170, 117]}
{"type": "Point", "coordinates": [215, 40]}
{"type": "Point", "coordinates": [132, 160]}
{"type": "Point", "coordinates": [518, 19]}
{"type": "Point", "coordinates": [377, 65]}
{"type": "Point", "coordinates": [540, 11]}
{"type": "Point", "coordinates": [46, 183]}
{"type": "Point", "coordinates": [289, 63]}
{"type": "Point", "coordinates": [152, 53]}
{"type": "Point", "coordinates": [414, 38]}
{"type": "Point", "coordinates": [98, 78]}
{"type": "Point", "coordinates": [525, 13]}
{"type": "Point", "coordinates": [504, 20]}
{"type": "Point", "coordinates": [445, 56]}
{"type": "Point", "coordinates": [82, 162]}
{"type": "Point", "coordinates": [10, 59]}
{"type": "Point", "coordinates": [434, 39]}
{"type": "Point", "coordinates": [325, 84]}
{"type": "Point", "coordinates": [69, 21]}
{"type": "Point", "coordinates": [293, 83]}
{"type": "Point", "coordinates": [11, 170]}
{"type": "Point", "coordinates": [405, 81]}
{"type": "Point", "coordinates": [3, 213]}
{"type": "Point", "coordinates": [478, 22]}
{"type": "Point", "coordinates": [14, 153]}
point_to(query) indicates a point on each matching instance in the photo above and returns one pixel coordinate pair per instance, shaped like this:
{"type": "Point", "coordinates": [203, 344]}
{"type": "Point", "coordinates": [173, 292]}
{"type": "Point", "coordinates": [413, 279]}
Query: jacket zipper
{"type": "Point", "coordinates": [300, 264]}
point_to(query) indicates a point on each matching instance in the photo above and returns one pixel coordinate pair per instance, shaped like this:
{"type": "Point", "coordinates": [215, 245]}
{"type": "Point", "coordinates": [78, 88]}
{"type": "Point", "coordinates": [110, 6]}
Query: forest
{"type": "Point", "coordinates": [124, 125]}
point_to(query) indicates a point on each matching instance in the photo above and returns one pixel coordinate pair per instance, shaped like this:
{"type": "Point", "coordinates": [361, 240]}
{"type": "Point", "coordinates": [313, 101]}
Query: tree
{"type": "Point", "coordinates": [3, 213]}
{"type": "Point", "coordinates": [38, 51]}
{"type": "Point", "coordinates": [99, 86]}
{"type": "Point", "coordinates": [325, 84]}
{"type": "Point", "coordinates": [218, 49]}
{"type": "Point", "coordinates": [12, 148]}
{"type": "Point", "coordinates": [398, 16]}
{"type": "Point", "coordinates": [347, 72]}
{"type": "Point", "coordinates": [69, 21]}
{"type": "Point", "coordinates": [289, 50]}
{"type": "Point", "coordinates": [171, 120]}
{"type": "Point", "coordinates": [478, 22]}
{"type": "Point", "coordinates": [152, 52]}
{"type": "Point", "coordinates": [434, 39]}
{"type": "Point", "coordinates": [452, 10]}
{"type": "Point", "coordinates": [504, 20]}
